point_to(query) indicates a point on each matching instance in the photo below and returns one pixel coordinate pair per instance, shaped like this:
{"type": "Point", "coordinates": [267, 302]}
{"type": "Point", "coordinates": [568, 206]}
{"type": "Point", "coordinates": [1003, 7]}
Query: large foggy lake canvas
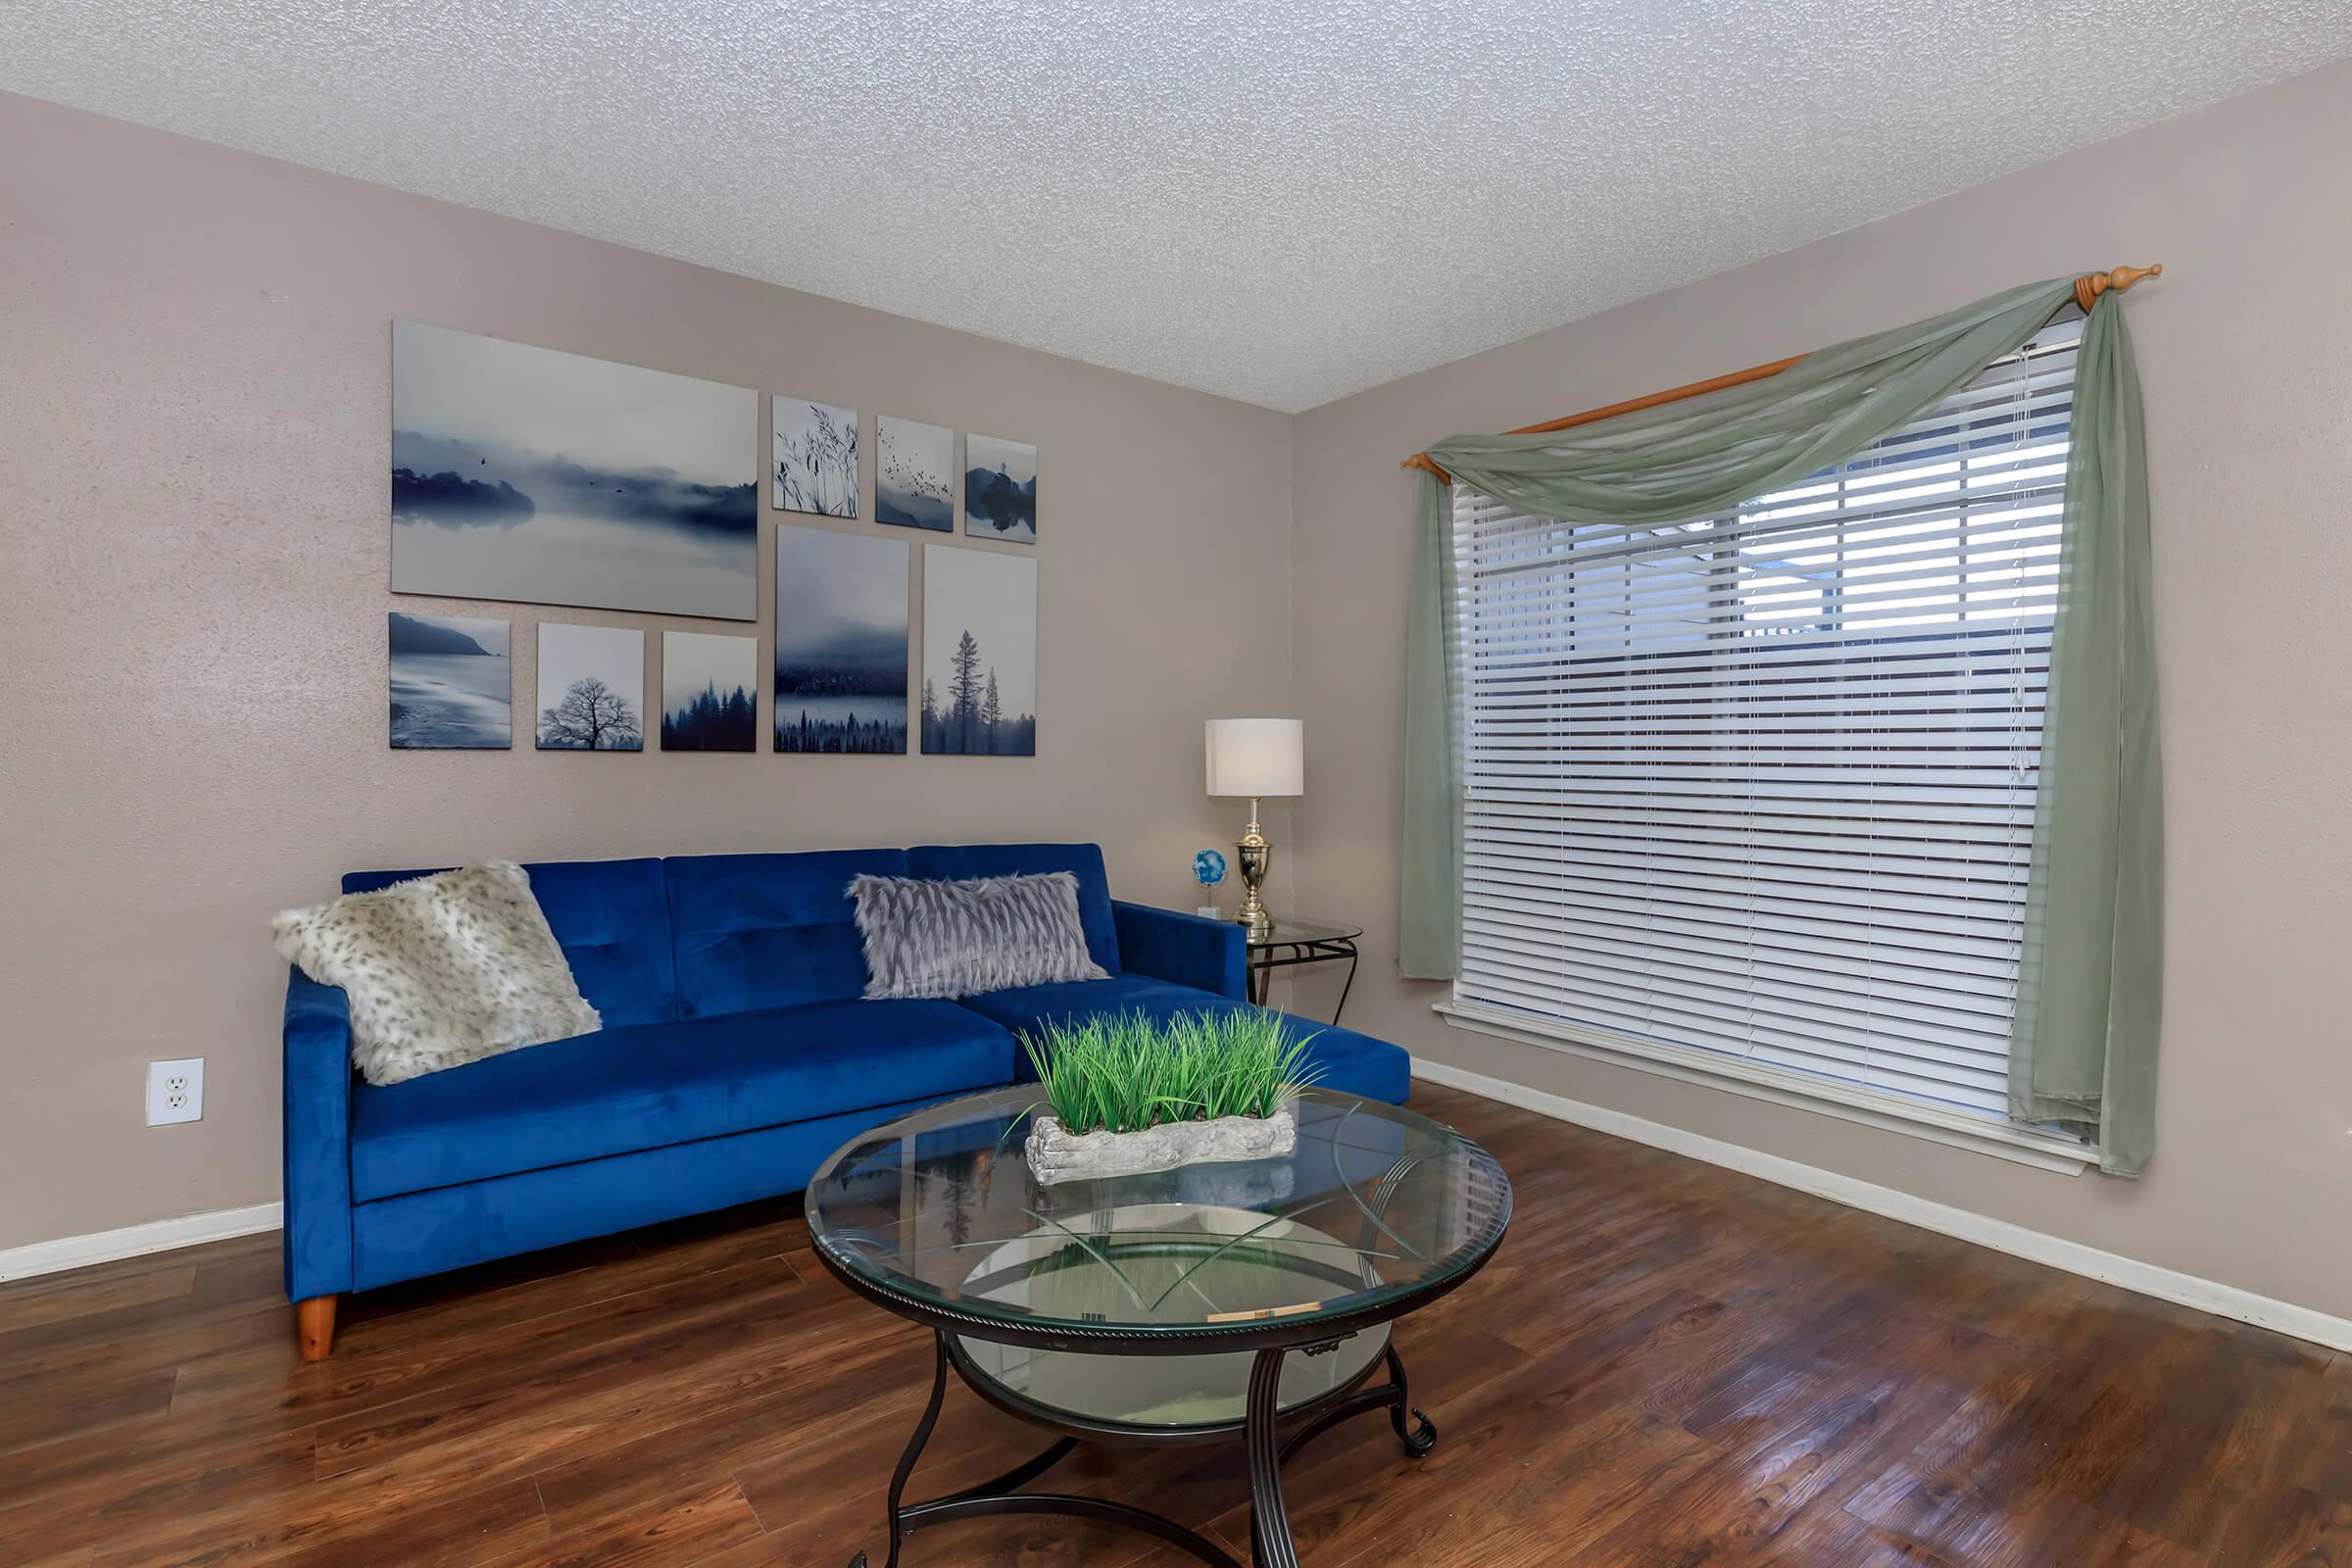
{"type": "Point", "coordinates": [451, 687]}
{"type": "Point", "coordinates": [1000, 489]}
{"type": "Point", "coordinates": [841, 641]}
{"type": "Point", "coordinates": [710, 692]}
{"type": "Point", "coordinates": [525, 475]}
{"type": "Point", "coordinates": [590, 688]}
{"type": "Point", "coordinates": [915, 467]}
{"type": "Point", "coordinates": [979, 653]}
{"type": "Point", "coordinates": [814, 464]}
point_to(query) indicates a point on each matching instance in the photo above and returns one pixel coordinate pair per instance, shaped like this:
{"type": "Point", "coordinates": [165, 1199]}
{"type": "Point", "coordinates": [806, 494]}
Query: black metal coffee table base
{"type": "Point", "coordinates": [1270, 1540]}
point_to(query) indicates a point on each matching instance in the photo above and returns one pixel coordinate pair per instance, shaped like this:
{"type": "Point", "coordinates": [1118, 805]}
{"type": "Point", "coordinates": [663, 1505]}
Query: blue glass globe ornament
{"type": "Point", "coordinates": [1208, 868]}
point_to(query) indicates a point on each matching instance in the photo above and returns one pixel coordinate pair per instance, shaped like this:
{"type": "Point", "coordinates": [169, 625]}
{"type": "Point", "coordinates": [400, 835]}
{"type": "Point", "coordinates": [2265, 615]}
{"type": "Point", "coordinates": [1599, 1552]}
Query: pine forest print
{"type": "Point", "coordinates": [710, 692]}
{"type": "Point", "coordinates": [816, 461]}
{"type": "Point", "coordinates": [841, 641]}
{"type": "Point", "coordinates": [979, 654]}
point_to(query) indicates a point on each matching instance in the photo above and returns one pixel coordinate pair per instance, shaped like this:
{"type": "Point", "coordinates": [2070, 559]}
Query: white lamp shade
{"type": "Point", "coordinates": [1256, 757]}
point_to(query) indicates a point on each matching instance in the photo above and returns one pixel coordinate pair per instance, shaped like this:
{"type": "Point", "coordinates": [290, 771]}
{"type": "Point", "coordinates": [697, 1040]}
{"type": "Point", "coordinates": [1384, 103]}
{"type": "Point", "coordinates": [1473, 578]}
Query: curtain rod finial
{"type": "Point", "coordinates": [2090, 286]}
{"type": "Point", "coordinates": [1420, 459]}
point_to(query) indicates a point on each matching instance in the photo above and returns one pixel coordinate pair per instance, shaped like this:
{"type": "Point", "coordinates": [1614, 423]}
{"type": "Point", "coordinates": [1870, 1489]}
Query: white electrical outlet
{"type": "Point", "coordinates": [175, 1091]}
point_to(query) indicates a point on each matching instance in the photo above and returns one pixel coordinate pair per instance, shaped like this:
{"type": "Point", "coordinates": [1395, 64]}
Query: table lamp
{"type": "Point", "coordinates": [1256, 757]}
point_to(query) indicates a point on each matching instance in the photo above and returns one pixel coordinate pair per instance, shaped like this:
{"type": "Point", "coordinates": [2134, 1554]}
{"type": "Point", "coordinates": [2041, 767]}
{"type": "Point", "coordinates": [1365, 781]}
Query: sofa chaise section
{"type": "Point", "coordinates": [1160, 962]}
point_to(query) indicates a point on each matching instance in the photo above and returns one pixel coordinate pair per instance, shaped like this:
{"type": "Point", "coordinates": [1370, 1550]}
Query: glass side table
{"type": "Point", "coordinates": [1296, 942]}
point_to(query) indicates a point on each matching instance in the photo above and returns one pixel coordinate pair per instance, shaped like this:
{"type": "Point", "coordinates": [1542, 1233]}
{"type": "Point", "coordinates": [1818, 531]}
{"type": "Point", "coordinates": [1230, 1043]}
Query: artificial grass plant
{"type": "Point", "coordinates": [1125, 1071]}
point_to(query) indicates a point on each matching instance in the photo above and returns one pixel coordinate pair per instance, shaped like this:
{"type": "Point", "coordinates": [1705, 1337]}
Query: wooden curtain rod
{"type": "Point", "coordinates": [2088, 289]}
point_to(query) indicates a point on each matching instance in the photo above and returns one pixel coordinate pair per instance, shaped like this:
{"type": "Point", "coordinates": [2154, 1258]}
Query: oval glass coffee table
{"type": "Point", "coordinates": [1200, 1305]}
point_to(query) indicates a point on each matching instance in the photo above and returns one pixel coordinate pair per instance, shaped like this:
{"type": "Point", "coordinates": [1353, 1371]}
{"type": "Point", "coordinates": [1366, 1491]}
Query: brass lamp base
{"type": "Point", "coordinates": [1258, 858]}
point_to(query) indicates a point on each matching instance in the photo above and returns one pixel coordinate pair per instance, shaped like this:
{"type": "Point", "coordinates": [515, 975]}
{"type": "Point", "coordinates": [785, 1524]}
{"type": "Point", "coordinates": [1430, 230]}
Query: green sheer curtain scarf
{"type": "Point", "coordinates": [2088, 994]}
{"type": "Point", "coordinates": [2090, 989]}
{"type": "Point", "coordinates": [1429, 942]}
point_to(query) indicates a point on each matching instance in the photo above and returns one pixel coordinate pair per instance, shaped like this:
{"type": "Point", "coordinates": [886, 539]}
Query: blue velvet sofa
{"type": "Point", "coordinates": [737, 1053]}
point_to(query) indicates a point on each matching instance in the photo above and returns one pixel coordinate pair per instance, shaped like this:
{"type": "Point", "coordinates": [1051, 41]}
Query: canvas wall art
{"type": "Point", "coordinates": [1000, 489]}
{"type": "Point", "coordinates": [710, 692]}
{"type": "Point", "coordinates": [915, 465]}
{"type": "Point", "coordinates": [452, 684]}
{"type": "Point", "coordinates": [841, 641]}
{"type": "Point", "coordinates": [814, 464]}
{"type": "Point", "coordinates": [521, 473]}
{"type": "Point", "coordinates": [979, 653]}
{"type": "Point", "coordinates": [590, 688]}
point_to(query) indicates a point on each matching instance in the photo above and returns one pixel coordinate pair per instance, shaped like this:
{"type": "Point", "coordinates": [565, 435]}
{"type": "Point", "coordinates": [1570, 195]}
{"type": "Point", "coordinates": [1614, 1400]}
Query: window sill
{"type": "Point", "coordinates": [1955, 1129]}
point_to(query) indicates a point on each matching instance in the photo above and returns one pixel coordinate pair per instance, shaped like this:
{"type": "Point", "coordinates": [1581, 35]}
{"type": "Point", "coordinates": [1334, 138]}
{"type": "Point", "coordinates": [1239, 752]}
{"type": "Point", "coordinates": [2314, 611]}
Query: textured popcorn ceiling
{"type": "Point", "coordinates": [1282, 202]}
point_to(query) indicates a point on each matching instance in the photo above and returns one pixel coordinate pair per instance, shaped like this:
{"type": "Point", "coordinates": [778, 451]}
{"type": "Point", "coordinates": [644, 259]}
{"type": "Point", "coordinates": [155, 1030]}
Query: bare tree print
{"type": "Point", "coordinates": [591, 716]}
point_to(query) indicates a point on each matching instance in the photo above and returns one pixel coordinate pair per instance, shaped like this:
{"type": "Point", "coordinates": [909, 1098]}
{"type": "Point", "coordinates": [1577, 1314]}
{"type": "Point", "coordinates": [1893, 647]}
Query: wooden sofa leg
{"type": "Point", "coordinates": [317, 1319]}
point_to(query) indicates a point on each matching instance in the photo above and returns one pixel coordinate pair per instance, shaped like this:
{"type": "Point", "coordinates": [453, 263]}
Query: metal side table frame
{"type": "Point", "coordinates": [1302, 942]}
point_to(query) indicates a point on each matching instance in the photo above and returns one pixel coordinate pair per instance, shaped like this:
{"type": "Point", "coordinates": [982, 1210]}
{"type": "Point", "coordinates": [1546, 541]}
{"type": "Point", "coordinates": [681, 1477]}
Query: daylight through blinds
{"type": "Point", "coordinates": [1763, 783]}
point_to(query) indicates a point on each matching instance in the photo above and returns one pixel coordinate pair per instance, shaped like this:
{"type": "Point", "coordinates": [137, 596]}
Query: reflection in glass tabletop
{"type": "Point", "coordinates": [1377, 1209]}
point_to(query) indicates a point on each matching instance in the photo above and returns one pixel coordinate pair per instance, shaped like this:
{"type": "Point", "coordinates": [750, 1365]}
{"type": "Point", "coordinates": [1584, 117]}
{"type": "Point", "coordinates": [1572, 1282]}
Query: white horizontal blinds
{"type": "Point", "coordinates": [1763, 783]}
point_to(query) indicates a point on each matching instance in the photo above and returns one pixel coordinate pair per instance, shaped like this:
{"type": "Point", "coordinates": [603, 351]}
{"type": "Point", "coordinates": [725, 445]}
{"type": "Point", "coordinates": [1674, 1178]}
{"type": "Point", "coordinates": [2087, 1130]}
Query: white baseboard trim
{"type": "Point", "coordinates": [137, 1240]}
{"type": "Point", "coordinates": [2148, 1279]}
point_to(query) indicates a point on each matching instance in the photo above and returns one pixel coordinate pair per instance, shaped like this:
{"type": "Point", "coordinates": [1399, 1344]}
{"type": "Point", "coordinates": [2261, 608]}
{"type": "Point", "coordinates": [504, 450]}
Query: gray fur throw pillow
{"type": "Point", "coordinates": [441, 970]}
{"type": "Point", "coordinates": [956, 939]}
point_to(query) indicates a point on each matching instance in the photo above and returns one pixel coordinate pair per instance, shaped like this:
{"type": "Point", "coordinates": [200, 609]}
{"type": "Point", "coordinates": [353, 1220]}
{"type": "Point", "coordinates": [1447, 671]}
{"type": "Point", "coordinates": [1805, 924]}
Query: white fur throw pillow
{"type": "Point", "coordinates": [957, 939]}
{"type": "Point", "coordinates": [441, 970]}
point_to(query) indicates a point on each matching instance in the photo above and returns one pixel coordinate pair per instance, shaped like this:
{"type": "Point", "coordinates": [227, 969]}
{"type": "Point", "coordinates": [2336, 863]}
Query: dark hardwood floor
{"type": "Point", "coordinates": [1667, 1365]}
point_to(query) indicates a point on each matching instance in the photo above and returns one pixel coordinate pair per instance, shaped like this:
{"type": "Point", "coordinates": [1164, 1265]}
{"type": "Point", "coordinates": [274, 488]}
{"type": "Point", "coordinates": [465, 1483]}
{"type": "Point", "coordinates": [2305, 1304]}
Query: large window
{"type": "Point", "coordinates": [1762, 784]}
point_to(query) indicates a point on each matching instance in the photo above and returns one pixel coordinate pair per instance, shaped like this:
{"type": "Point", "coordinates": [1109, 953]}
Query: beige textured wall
{"type": "Point", "coordinates": [2245, 353]}
{"type": "Point", "coordinates": [194, 431]}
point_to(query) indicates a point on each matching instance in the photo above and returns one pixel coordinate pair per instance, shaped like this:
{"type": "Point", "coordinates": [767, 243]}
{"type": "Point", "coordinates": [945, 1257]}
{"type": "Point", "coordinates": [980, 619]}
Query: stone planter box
{"type": "Point", "coordinates": [1055, 1156]}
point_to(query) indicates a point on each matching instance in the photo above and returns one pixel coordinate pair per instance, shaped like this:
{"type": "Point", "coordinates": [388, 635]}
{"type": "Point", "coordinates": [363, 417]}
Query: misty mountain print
{"type": "Point", "coordinates": [526, 474]}
{"type": "Point", "coordinates": [1000, 490]}
{"type": "Point", "coordinates": [841, 641]}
